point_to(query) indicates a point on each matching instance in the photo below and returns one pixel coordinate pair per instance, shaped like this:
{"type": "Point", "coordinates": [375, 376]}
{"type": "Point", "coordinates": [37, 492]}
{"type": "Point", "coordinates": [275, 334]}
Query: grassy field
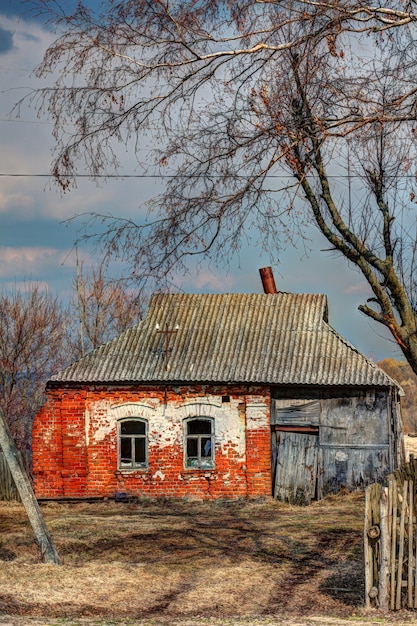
{"type": "Point", "coordinates": [178, 560]}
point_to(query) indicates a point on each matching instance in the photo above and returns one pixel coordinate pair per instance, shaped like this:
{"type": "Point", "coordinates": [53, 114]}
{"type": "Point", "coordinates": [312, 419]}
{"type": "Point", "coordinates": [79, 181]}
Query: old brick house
{"type": "Point", "coordinates": [231, 395]}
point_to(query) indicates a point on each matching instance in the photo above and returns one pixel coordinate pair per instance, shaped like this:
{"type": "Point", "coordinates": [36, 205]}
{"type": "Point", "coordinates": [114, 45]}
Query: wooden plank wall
{"type": "Point", "coordinates": [8, 489]}
{"type": "Point", "coordinates": [390, 541]}
{"type": "Point", "coordinates": [295, 475]}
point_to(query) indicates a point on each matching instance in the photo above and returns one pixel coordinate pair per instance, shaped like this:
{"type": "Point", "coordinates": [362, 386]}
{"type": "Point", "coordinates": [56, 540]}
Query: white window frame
{"type": "Point", "coordinates": [133, 466]}
{"type": "Point", "coordinates": [201, 464]}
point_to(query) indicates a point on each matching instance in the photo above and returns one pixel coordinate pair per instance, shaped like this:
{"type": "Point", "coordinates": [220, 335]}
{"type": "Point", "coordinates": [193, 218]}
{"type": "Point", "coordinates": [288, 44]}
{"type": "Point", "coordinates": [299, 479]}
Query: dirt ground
{"type": "Point", "coordinates": [190, 563]}
{"type": "Point", "coordinates": [252, 621]}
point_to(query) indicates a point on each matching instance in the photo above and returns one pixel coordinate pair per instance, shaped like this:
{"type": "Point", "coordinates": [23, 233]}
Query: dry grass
{"type": "Point", "coordinates": [177, 560]}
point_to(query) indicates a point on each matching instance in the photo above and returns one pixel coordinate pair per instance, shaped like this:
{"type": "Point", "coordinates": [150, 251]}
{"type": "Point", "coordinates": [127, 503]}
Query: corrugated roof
{"type": "Point", "coordinates": [238, 338]}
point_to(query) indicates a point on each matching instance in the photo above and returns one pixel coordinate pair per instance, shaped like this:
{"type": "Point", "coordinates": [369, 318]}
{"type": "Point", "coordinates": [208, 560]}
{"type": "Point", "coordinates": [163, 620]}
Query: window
{"type": "Point", "coordinates": [133, 443]}
{"type": "Point", "coordinates": [199, 443]}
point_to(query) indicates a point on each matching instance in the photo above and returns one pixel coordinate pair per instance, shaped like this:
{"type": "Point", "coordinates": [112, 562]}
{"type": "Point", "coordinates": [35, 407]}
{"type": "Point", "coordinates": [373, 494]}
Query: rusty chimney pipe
{"type": "Point", "coordinates": [268, 280]}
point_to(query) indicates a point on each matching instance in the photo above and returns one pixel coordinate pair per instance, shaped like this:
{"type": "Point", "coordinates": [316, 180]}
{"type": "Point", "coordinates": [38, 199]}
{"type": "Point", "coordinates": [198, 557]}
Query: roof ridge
{"type": "Point", "coordinates": [268, 339]}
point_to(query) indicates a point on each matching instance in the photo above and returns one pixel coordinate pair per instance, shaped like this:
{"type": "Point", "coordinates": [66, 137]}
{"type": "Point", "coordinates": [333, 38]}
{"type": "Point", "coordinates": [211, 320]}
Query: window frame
{"type": "Point", "coordinates": [133, 437]}
{"type": "Point", "coordinates": [200, 459]}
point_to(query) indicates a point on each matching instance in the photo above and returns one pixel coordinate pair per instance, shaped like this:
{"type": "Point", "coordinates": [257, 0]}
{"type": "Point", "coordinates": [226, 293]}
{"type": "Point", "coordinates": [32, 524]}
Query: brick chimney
{"type": "Point", "coordinates": [268, 280]}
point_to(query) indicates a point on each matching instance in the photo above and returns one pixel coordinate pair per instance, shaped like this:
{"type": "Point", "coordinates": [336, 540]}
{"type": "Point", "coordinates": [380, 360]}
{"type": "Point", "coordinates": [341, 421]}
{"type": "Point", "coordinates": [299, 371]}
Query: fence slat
{"type": "Point", "coordinates": [401, 546]}
{"type": "Point", "coordinates": [369, 575]}
{"type": "Point", "coordinates": [394, 487]}
{"type": "Point", "coordinates": [384, 574]}
{"type": "Point", "coordinates": [410, 542]}
{"type": "Point", "coordinates": [391, 540]}
{"type": "Point", "coordinates": [415, 572]}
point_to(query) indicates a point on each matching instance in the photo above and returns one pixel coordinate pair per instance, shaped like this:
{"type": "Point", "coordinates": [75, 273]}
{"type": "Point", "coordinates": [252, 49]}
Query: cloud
{"type": "Point", "coordinates": [6, 40]}
{"type": "Point", "coordinates": [24, 41]}
{"type": "Point", "coordinates": [27, 261]}
{"type": "Point", "coordinates": [359, 288]}
{"type": "Point", "coordinates": [35, 245]}
{"type": "Point", "coordinates": [29, 37]}
{"type": "Point", "coordinates": [10, 7]}
{"type": "Point", "coordinates": [210, 281]}
{"type": "Point", "coordinates": [27, 146]}
{"type": "Point", "coordinates": [15, 200]}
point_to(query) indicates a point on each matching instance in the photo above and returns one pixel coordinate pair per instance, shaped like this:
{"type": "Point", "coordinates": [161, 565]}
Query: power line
{"type": "Point", "coordinates": [17, 121]}
{"type": "Point", "coordinates": [162, 176]}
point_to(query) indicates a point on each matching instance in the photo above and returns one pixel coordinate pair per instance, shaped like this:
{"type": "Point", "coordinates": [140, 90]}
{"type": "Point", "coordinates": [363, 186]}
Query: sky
{"type": "Point", "coordinates": [37, 241]}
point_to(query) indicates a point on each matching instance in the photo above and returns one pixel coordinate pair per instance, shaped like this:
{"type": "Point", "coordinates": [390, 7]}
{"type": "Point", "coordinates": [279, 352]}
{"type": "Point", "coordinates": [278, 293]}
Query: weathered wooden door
{"type": "Point", "coordinates": [295, 464]}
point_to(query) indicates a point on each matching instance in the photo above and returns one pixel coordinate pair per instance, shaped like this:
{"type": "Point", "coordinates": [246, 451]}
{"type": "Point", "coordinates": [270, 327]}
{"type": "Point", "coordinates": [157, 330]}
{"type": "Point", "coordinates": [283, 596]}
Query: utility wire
{"type": "Point", "coordinates": [162, 176]}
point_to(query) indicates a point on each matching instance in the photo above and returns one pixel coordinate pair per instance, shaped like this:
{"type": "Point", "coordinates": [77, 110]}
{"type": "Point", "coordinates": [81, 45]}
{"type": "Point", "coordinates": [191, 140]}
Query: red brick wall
{"type": "Point", "coordinates": [75, 449]}
{"type": "Point", "coordinates": [47, 447]}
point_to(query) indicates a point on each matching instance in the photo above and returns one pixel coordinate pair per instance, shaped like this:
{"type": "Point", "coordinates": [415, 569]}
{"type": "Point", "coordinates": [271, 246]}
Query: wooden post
{"type": "Point", "coordinates": [385, 543]}
{"type": "Point", "coordinates": [415, 573]}
{"type": "Point", "coordinates": [410, 542]}
{"type": "Point", "coordinates": [401, 546]}
{"type": "Point", "coordinates": [367, 548]}
{"type": "Point", "coordinates": [24, 487]}
{"type": "Point", "coordinates": [390, 503]}
{"type": "Point", "coordinates": [393, 482]}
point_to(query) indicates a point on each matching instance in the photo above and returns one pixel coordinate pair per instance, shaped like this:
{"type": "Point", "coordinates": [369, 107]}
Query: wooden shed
{"type": "Point", "coordinates": [219, 396]}
{"type": "Point", "coordinates": [327, 438]}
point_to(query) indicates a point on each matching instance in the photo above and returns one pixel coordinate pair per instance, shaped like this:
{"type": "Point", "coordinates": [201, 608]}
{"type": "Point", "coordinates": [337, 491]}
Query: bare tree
{"type": "Point", "coordinates": [32, 347]}
{"type": "Point", "coordinates": [264, 116]}
{"type": "Point", "coordinates": [404, 375]}
{"type": "Point", "coordinates": [102, 307]}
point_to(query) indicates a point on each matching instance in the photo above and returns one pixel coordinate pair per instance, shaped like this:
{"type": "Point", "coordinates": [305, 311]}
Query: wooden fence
{"type": "Point", "coordinates": [8, 489]}
{"type": "Point", "coordinates": [390, 538]}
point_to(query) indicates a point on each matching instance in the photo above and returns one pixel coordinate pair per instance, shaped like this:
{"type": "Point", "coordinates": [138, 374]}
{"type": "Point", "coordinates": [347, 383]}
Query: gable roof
{"type": "Point", "coordinates": [230, 338]}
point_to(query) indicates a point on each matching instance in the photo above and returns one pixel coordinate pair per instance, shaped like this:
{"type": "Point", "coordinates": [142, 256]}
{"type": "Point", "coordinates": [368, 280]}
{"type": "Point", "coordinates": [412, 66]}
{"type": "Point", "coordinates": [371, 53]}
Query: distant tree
{"type": "Point", "coordinates": [265, 117]}
{"type": "Point", "coordinates": [33, 345]}
{"type": "Point", "coordinates": [101, 308]}
{"type": "Point", "coordinates": [404, 375]}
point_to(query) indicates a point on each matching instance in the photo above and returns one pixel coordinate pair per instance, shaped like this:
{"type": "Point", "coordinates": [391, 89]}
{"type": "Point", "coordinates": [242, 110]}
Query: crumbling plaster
{"type": "Point", "coordinates": [166, 420]}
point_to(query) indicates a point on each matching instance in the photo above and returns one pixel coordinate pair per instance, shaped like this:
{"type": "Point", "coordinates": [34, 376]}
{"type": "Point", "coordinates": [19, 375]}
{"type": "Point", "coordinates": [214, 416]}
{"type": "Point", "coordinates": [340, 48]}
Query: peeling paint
{"type": "Point", "coordinates": [257, 413]}
{"type": "Point", "coordinates": [341, 456]}
{"type": "Point", "coordinates": [88, 431]}
{"type": "Point", "coordinates": [100, 424]}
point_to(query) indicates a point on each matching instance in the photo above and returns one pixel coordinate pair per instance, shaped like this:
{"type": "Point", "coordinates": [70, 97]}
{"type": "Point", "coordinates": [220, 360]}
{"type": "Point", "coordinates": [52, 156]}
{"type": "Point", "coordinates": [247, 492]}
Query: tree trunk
{"type": "Point", "coordinates": [24, 487]}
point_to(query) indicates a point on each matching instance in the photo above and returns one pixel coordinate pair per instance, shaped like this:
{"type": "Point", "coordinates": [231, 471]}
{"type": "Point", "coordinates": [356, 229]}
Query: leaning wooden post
{"type": "Point", "coordinates": [24, 487]}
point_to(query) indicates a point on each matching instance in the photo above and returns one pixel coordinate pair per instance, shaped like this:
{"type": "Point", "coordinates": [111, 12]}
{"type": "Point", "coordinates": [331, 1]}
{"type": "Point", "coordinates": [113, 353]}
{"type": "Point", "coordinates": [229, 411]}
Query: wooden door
{"type": "Point", "coordinates": [295, 458]}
